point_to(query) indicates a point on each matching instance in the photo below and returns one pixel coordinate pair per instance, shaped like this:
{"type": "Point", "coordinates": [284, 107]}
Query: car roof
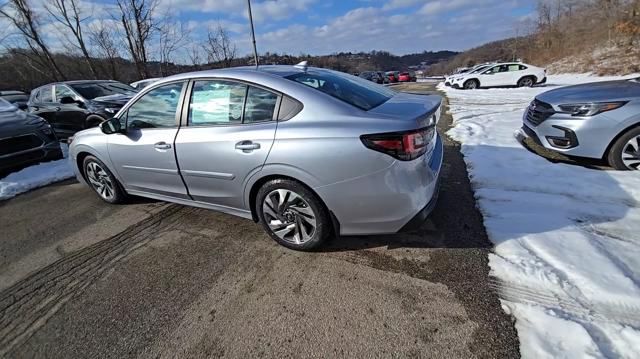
{"type": "Point", "coordinates": [243, 71]}
{"type": "Point", "coordinates": [76, 82]}
{"type": "Point", "coordinates": [11, 92]}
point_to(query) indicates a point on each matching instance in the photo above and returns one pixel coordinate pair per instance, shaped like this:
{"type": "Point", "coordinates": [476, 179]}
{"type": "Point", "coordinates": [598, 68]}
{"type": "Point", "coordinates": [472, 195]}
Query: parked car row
{"type": "Point", "coordinates": [31, 125]}
{"type": "Point", "coordinates": [380, 77]}
{"type": "Point", "coordinates": [503, 74]}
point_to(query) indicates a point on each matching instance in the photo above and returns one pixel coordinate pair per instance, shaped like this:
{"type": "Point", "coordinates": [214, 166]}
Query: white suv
{"type": "Point", "coordinates": [501, 74]}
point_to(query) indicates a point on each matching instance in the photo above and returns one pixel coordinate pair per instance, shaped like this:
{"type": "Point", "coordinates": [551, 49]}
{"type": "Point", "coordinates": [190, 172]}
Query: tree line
{"type": "Point", "coordinates": [135, 40]}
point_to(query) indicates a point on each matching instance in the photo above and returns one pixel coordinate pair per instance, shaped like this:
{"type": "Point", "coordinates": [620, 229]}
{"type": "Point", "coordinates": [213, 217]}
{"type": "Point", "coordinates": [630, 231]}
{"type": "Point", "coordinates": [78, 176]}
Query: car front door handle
{"type": "Point", "coordinates": [247, 146]}
{"type": "Point", "coordinates": [162, 146]}
{"type": "Point", "coordinates": [57, 108]}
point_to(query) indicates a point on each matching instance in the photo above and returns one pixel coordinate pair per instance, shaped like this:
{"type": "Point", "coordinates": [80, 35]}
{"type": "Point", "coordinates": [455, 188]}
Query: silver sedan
{"type": "Point", "coordinates": [596, 120]}
{"type": "Point", "coordinates": [308, 152]}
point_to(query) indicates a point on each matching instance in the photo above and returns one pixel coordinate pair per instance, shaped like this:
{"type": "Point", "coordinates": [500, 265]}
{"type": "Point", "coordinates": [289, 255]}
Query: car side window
{"type": "Point", "coordinates": [522, 67]}
{"type": "Point", "coordinates": [45, 94]}
{"type": "Point", "coordinates": [156, 109]}
{"type": "Point", "coordinates": [492, 70]}
{"type": "Point", "coordinates": [260, 105]}
{"type": "Point", "coordinates": [63, 91]}
{"type": "Point", "coordinates": [216, 102]}
{"type": "Point", "coordinates": [514, 67]}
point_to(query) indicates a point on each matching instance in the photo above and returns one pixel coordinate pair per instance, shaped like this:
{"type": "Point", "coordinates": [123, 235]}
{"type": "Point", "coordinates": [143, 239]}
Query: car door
{"type": "Point", "coordinates": [71, 116]}
{"type": "Point", "coordinates": [490, 77]}
{"type": "Point", "coordinates": [144, 156]}
{"type": "Point", "coordinates": [229, 131]}
{"type": "Point", "coordinates": [515, 73]}
{"type": "Point", "coordinates": [43, 106]}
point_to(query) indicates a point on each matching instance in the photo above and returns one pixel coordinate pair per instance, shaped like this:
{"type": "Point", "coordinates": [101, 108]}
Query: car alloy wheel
{"type": "Point", "coordinates": [526, 82]}
{"type": "Point", "coordinates": [471, 85]}
{"type": "Point", "coordinates": [100, 181]}
{"type": "Point", "coordinates": [289, 216]}
{"type": "Point", "coordinates": [631, 153]}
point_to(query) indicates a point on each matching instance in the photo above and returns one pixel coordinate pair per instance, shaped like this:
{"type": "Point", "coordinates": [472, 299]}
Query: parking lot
{"type": "Point", "coordinates": [81, 278]}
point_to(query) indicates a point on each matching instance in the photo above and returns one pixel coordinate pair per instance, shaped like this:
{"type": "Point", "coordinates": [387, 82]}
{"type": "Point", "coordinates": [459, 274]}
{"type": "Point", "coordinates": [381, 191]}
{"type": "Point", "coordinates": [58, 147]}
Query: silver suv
{"type": "Point", "coordinates": [596, 120]}
{"type": "Point", "coordinates": [307, 152]}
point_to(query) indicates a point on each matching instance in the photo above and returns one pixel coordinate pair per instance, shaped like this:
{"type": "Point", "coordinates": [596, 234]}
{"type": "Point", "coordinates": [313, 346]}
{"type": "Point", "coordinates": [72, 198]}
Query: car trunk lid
{"type": "Point", "coordinates": [415, 109]}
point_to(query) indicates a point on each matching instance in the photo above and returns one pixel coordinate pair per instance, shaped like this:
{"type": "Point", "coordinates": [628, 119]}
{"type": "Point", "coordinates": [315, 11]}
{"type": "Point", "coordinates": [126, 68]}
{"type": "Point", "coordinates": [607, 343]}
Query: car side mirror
{"type": "Point", "coordinates": [112, 126]}
{"type": "Point", "coordinates": [68, 100]}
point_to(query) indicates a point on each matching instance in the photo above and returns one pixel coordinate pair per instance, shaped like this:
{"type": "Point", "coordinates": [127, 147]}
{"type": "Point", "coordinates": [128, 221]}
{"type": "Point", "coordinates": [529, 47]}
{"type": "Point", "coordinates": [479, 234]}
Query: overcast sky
{"type": "Point", "coordinates": [328, 26]}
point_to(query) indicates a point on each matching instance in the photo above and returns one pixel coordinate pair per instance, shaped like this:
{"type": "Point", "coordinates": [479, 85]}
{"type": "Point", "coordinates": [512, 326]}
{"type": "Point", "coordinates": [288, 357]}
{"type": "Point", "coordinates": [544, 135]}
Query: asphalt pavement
{"type": "Point", "coordinates": [80, 278]}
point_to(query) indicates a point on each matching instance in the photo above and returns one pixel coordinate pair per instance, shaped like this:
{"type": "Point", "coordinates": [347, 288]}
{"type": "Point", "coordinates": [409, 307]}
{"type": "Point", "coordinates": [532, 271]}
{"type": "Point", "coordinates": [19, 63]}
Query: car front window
{"type": "Point", "coordinates": [94, 90]}
{"type": "Point", "coordinates": [156, 109]}
{"type": "Point", "coordinates": [353, 90]}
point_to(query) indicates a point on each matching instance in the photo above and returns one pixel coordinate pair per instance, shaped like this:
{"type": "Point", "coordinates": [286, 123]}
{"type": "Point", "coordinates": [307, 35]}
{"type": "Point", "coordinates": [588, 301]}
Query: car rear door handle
{"type": "Point", "coordinates": [57, 108]}
{"type": "Point", "coordinates": [247, 146]}
{"type": "Point", "coordinates": [162, 146]}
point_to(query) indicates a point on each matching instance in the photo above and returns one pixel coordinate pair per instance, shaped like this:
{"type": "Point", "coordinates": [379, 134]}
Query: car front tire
{"type": "Point", "coordinates": [625, 152]}
{"type": "Point", "coordinates": [293, 215]}
{"type": "Point", "coordinates": [102, 181]}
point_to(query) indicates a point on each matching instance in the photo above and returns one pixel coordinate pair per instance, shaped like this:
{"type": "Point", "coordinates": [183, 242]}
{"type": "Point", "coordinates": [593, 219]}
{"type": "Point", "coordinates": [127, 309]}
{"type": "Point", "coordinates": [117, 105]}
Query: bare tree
{"type": "Point", "coordinates": [102, 37]}
{"type": "Point", "coordinates": [139, 23]}
{"type": "Point", "coordinates": [23, 18]}
{"type": "Point", "coordinates": [194, 52]}
{"type": "Point", "coordinates": [172, 37]}
{"type": "Point", "coordinates": [219, 46]}
{"type": "Point", "coordinates": [68, 13]}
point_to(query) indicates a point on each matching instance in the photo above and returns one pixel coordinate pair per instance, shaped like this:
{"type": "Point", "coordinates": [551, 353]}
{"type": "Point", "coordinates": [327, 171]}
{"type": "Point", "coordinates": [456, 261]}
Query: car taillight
{"type": "Point", "coordinates": [405, 146]}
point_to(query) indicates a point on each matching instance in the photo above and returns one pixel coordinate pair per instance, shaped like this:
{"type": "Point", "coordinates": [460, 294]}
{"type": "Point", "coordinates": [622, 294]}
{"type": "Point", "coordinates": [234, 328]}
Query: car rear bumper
{"type": "Point", "coordinates": [397, 198]}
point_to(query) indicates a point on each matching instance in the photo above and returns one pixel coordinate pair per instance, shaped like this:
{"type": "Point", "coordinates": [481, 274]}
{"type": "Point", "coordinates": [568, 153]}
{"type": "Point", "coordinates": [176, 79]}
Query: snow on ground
{"type": "Point", "coordinates": [36, 176]}
{"type": "Point", "coordinates": [567, 238]}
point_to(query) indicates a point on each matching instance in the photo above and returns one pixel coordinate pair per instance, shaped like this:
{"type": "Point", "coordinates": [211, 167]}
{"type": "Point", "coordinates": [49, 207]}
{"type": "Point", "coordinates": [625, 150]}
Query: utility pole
{"type": "Point", "coordinates": [253, 34]}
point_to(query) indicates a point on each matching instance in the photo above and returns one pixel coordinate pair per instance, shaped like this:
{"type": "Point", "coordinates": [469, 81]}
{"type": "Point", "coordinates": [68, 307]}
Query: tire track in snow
{"type": "Point", "coordinates": [573, 308]}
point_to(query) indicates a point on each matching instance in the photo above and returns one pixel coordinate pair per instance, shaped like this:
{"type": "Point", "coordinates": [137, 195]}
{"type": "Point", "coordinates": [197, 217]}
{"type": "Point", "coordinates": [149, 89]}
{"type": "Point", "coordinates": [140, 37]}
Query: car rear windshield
{"type": "Point", "coordinates": [353, 90]}
{"type": "Point", "coordinates": [93, 90]}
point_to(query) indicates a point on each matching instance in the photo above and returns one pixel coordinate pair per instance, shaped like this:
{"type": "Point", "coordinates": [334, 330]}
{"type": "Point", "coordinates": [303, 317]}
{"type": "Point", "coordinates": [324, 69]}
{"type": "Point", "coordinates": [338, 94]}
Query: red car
{"type": "Point", "coordinates": [404, 77]}
{"type": "Point", "coordinates": [392, 75]}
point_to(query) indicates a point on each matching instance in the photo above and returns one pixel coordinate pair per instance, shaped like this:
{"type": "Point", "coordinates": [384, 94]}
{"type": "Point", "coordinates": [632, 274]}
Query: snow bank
{"type": "Point", "coordinates": [36, 176]}
{"type": "Point", "coordinates": [567, 238]}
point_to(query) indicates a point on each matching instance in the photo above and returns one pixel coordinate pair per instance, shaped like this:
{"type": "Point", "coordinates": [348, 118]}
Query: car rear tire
{"type": "Point", "coordinates": [293, 215]}
{"type": "Point", "coordinates": [471, 84]}
{"type": "Point", "coordinates": [102, 181]}
{"type": "Point", "coordinates": [527, 81]}
{"type": "Point", "coordinates": [625, 152]}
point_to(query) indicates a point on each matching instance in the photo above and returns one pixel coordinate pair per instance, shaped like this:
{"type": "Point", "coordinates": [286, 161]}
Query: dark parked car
{"type": "Point", "coordinates": [385, 79]}
{"type": "Point", "coordinates": [24, 138]}
{"type": "Point", "coordinates": [17, 98]}
{"type": "Point", "coordinates": [77, 105]}
{"type": "Point", "coordinates": [371, 76]}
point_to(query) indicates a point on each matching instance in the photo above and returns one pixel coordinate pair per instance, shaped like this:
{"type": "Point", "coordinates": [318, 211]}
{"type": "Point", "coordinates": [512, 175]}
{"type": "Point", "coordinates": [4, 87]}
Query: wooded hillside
{"type": "Point", "coordinates": [600, 36]}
